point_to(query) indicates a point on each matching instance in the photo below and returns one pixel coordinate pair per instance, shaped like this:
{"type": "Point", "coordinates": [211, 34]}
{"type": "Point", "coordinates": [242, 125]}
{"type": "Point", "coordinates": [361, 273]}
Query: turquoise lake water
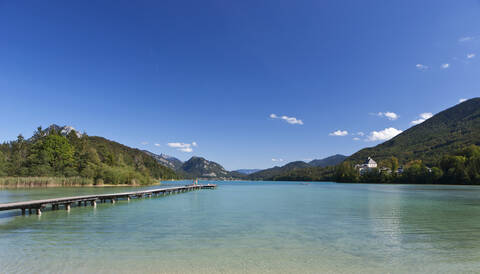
{"type": "Point", "coordinates": [250, 227]}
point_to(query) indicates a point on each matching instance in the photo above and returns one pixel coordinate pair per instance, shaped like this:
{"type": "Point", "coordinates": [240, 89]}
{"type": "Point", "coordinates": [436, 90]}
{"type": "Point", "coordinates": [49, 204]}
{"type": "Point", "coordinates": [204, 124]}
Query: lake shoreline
{"type": "Point", "coordinates": [46, 182]}
{"type": "Point", "coordinates": [360, 183]}
{"type": "Point", "coordinates": [76, 182]}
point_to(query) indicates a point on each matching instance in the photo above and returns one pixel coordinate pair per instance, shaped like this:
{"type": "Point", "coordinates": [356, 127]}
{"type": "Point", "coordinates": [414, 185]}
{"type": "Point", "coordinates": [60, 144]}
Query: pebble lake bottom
{"type": "Point", "coordinates": [250, 227]}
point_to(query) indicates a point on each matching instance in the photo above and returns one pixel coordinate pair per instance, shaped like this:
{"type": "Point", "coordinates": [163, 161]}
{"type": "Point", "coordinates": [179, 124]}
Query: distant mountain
{"type": "Point", "coordinates": [63, 130]}
{"type": "Point", "coordinates": [166, 160]}
{"type": "Point", "coordinates": [442, 134]}
{"type": "Point", "coordinates": [198, 167]}
{"type": "Point", "coordinates": [329, 161]}
{"type": "Point", "coordinates": [271, 173]}
{"type": "Point", "coordinates": [246, 171]}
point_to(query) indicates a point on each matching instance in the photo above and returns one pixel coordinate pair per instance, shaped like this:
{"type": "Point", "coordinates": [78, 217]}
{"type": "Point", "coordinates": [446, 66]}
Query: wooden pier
{"type": "Point", "coordinates": [66, 202]}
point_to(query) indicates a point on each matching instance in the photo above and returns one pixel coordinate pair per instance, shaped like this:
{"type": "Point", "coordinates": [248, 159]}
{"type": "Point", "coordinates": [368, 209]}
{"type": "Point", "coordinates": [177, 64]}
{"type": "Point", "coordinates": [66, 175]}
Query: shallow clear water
{"type": "Point", "coordinates": [255, 227]}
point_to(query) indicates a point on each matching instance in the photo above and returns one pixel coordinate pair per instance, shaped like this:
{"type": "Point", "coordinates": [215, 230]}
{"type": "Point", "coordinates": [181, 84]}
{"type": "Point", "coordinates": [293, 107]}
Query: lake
{"type": "Point", "coordinates": [258, 227]}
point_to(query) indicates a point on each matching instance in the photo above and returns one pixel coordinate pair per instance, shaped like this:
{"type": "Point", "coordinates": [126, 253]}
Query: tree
{"type": "Point", "coordinates": [3, 164]}
{"type": "Point", "coordinates": [38, 134]}
{"type": "Point", "coordinates": [345, 172]}
{"type": "Point", "coordinates": [54, 151]}
{"type": "Point", "coordinates": [416, 172]}
{"type": "Point", "coordinates": [436, 175]}
{"type": "Point", "coordinates": [454, 171]}
{"type": "Point", "coordinates": [18, 157]}
{"type": "Point", "coordinates": [393, 164]}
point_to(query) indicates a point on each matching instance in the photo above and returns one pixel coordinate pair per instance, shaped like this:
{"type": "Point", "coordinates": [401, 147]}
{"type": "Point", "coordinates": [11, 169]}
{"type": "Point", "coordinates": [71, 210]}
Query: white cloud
{"type": "Point", "coordinates": [462, 100]}
{"type": "Point", "coordinates": [339, 133]}
{"type": "Point", "coordinates": [184, 147]}
{"type": "Point", "coordinates": [356, 139]}
{"type": "Point", "coordinates": [465, 39]}
{"type": "Point", "coordinates": [423, 117]}
{"type": "Point", "coordinates": [383, 135]}
{"type": "Point", "coordinates": [445, 66]}
{"type": "Point", "coordinates": [144, 143]}
{"type": "Point", "coordinates": [471, 55]}
{"type": "Point", "coordinates": [360, 133]}
{"type": "Point", "coordinates": [421, 67]}
{"type": "Point", "coordinates": [157, 145]}
{"type": "Point", "coordinates": [389, 115]}
{"type": "Point", "coordinates": [290, 120]}
{"type": "Point", "coordinates": [277, 160]}
{"type": "Point", "coordinates": [178, 145]}
{"type": "Point", "coordinates": [426, 115]}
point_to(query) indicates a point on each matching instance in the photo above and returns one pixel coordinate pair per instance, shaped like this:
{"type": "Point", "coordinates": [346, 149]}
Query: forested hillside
{"type": "Point", "coordinates": [55, 152]}
{"type": "Point", "coordinates": [271, 173]}
{"type": "Point", "coordinates": [329, 161]}
{"type": "Point", "coordinates": [443, 149]}
{"type": "Point", "coordinates": [444, 133]}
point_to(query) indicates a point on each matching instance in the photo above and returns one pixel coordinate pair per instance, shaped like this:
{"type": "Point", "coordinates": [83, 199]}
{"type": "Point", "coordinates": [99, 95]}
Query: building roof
{"type": "Point", "coordinates": [370, 161]}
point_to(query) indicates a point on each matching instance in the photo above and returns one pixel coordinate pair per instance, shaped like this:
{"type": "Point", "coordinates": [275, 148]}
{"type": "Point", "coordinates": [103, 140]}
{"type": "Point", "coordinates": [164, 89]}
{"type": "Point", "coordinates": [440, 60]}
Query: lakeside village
{"type": "Point", "coordinates": [371, 165]}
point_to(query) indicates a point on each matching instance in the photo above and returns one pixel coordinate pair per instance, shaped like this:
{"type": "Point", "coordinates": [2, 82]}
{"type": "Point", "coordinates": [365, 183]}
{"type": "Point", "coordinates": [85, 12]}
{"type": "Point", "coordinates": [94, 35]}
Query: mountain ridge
{"type": "Point", "coordinates": [328, 161]}
{"type": "Point", "coordinates": [246, 171]}
{"type": "Point", "coordinates": [166, 160]}
{"type": "Point", "coordinates": [199, 167]}
{"type": "Point", "coordinates": [270, 173]}
{"type": "Point", "coordinates": [445, 132]}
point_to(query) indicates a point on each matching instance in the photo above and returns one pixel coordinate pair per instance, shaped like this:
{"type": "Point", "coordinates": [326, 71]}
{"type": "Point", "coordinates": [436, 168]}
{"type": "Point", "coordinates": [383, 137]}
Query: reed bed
{"type": "Point", "coordinates": [28, 182]}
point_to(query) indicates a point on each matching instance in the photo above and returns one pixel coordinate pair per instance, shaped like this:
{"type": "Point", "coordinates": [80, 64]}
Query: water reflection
{"type": "Point", "coordinates": [254, 227]}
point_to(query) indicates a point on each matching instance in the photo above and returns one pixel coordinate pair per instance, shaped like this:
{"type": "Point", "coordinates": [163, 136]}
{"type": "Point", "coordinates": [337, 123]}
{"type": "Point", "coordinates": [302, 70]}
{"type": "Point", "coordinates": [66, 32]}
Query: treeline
{"type": "Point", "coordinates": [462, 167]}
{"type": "Point", "coordinates": [308, 174]}
{"type": "Point", "coordinates": [49, 153]}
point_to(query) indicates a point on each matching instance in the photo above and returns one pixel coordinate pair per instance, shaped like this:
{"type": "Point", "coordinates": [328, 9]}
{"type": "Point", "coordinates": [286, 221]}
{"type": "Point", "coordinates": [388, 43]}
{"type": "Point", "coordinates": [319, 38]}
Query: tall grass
{"type": "Point", "coordinates": [25, 182]}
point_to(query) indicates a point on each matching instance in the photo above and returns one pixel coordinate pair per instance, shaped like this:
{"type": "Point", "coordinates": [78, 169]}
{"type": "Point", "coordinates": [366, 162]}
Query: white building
{"type": "Point", "coordinates": [370, 163]}
{"type": "Point", "coordinates": [367, 166]}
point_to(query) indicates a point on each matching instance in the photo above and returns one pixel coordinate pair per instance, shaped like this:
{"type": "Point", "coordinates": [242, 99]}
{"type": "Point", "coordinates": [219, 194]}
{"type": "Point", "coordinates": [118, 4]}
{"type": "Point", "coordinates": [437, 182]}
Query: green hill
{"type": "Point", "coordinates": [444, 133]}
{"type": "Point", "coordinates": [329, 161]}
{"type": "Point", "coordinates": [271, 173]}
{"type": "Point", "coordinates": [63, 152]}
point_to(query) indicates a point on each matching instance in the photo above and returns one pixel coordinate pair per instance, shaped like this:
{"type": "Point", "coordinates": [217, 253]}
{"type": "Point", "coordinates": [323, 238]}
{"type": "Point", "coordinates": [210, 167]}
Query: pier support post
{"type": "Point", "coordinates": [79, 203]}
{"type": "Point", "coordinates": [112, 200]}
{"type": "Point", "coordinates": [128, 198]}
{"type": "Point", "coordinates": [67, 207]}
{"type": "Point", "coordinates": [94, 204]}
{"type": "Point", "coordinates": [38, 211]}
{"type": "Point", "coordinates": [23, 211]}
{"type": "Point", "coordinates": [29, 211]}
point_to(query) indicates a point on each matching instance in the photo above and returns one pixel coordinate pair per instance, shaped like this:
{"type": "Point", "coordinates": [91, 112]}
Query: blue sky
{"type": "Point", "coordinates": [173, 73]}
